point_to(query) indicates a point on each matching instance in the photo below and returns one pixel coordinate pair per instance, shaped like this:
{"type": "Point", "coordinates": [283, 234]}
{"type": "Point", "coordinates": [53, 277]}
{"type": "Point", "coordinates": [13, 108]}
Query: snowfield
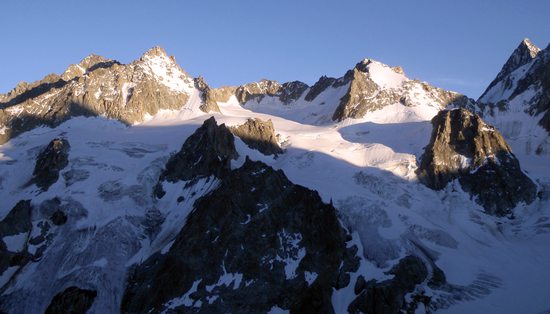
{"type": "Point", "coordinates": [366, 167]}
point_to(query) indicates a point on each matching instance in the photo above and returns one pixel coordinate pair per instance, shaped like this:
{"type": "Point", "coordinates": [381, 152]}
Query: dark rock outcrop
{"type": "Point", "coordinates": [463, 147]}
{"type": "Point", "coordinates": [72, 300]}
{"type": "Point", "coordinates": [17, 221]}
{"type": "Point", "coordinates": [291, 91]}
{"type": "Point", "coordinates": [320, 86]}
{"type": "Point", "coordinates": [256, 242]}
{"type": "Point", "coordinates": [208, 151]}
{"type": "Point", "coordinates": [388, 297]}
{"type": "Point", "coordinates": [260, 135]}
{"type": "Point", "coordinates": [49, 162]}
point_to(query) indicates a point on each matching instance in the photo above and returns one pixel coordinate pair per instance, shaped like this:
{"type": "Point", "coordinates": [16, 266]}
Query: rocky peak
{"type": "Point", "coordinates": [154, 52]}
{"type": "Point", "coordinates": [89, 63]}
{"type": "Point", "coordinates": [463, 147]}
{"type": "Point", "coordinates": [523, 54]}
{"type": "Point", "coordinates": [208, 96]}
{"type": "Point", "coordinates": [374, 85]}
{"type": "Point", "coordinates": [260, 135]}
{"type": "Point", "coordinates": [291, 91]}
{"type": "Point", "coordinates": [207, 152]}
{"type": "Point", "coordinates": [49, 162]}
{"type": "Point", "coordinates": [97, 87]}
{"type": "Point", "coordinates": [320, 86]}
{"type": "Point", "coordinates": [256, 91]}
{"type": "Point", "coordinates": [277, 242]}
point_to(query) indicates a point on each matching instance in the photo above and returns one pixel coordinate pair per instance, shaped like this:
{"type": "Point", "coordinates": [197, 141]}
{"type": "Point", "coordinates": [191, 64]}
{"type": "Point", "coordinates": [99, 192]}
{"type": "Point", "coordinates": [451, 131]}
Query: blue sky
{"type": "Point", "coordinates": [458, 45]}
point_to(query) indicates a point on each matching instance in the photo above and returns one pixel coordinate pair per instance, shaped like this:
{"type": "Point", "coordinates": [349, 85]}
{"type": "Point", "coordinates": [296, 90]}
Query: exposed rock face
{"type": "Point", "coordinates": [208, 151]}
{"type": "Point", "coordinates": [208, 96]}
{"type": "Point", "coordinates": [49, 162]}
{"type": "Point", "coordinates": [388, 297]}
{"type": "Point", "coordinates": [522, 86]}
{"type": "Point", "coordinates": [320, 86]}
{"type": "Point", "coordinates": [72, 300]}
{"type": "Point", "coordinates": [214, 95]}
{"type": "Point", "coordinates": [463, 147]}
{"type": "Point", "coordinates": [256, 242]}
{"type": "Point", "coordinates": [260, 135]}
{"type": "Point", "coordinates": [291, 91]}
{"type": "Point", "coordinates": [286, 93]}
{"type": "Point", "coordinates": [524, 54]}
{"type": "Point", "coordinates": [97, 86]}
{"type": "Point", "coordinates": [17, 222]}
{"type": "Point", "coordinates": [374, 85]}
{"type": "Point", "coordinates": [257, 90]}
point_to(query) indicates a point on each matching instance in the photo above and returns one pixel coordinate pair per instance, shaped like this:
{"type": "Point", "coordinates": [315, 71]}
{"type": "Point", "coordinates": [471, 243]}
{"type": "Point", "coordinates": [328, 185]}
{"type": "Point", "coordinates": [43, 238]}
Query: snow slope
{"type": "Point", "coordinates": [364, 166]}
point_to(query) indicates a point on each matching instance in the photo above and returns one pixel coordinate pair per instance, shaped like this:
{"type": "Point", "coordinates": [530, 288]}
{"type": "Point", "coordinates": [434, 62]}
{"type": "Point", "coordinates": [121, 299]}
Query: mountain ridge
{"type": "Point", "coordinates": [162, 193]}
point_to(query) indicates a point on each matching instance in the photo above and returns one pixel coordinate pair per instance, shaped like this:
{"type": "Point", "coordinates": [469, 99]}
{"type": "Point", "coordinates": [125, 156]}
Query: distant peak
{"type": "Point", "coordinates": [90, 63]}
{"type": "Point", "coordinates": [156, 51]}
{"type": "Point", "coordinates": [525, 52]}
{"type": "Point", "coordinates": [92, 60]}
{"type": "Point", "coordinates": [366, 64]}
{"type": "Point", "coordinates": [528, 46]}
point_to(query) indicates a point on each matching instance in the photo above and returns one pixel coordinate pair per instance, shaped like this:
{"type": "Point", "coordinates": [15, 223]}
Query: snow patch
{"type": "Point", "coordinates": [384, 76]}
{"type": "Point", "coordinates": [184, 299]}
{"type": "Point", "coordinates": [16, 243]}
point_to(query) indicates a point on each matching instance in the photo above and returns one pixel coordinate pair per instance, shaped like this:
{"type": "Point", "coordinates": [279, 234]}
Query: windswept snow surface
{"type": "Point", "coordinates": [384, 76]}
{"type": "Point", "coordinates": [365, 166]}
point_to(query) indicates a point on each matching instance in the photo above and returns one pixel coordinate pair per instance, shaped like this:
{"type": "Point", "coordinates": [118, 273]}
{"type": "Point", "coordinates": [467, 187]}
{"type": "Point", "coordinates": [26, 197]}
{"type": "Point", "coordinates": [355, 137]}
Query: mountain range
{"type": "Point", "coordinates": [137, 188]}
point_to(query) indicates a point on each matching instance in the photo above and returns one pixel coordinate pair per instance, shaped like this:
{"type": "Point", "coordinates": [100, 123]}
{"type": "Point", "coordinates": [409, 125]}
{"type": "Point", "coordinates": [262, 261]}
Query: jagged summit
{"type": "Point", "coordinates": [374, 86]}
{"type": "Point", "coordinates": [267, 205]}
{"type": "Point", "coordinates": [98, 86]}
{"type": "Point", "coordinates": [523, 54]}
{"type": "Point", "coordinates": [90, 63]}
{"type": "Point", "coordinates": [156, 51]}
{"type": "Point", "coordinates": [518, 100]}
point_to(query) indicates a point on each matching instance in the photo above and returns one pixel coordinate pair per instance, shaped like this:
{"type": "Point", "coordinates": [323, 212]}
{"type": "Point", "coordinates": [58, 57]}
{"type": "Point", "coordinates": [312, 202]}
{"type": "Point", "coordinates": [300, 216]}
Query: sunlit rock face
{"type": "Point", "coordinates": [373, 86]}
{"type": "Point", "coordinates": [463, 147]}
{"type": "Point", "coordinates": [97, 87]}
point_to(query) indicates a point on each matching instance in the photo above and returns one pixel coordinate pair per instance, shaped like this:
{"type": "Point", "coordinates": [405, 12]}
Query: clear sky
{"type": "Point", "coordinates": [457, 45]}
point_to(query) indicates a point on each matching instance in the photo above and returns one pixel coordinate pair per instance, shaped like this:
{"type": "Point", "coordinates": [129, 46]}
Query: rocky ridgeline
{"type": "Point", "coordinates": [207, 152]}
{"type": "Point", "coordinates": [260, 135]}
{"type": "Point", "coordinates": [97, 86]}
{"type": "Point", "coordinates": [524, 54]}
{"type": "Point", "coordinates": [129, 92]}
{"type": "Point", "coordinates": [255, 242]}
{"type": "Point", "coordinates": [364, 93]}
{"type": "Point", "coordinates": [518, 100]}
{"type": "Point", "coordinates": [50, 162]}
{"type": "Point", "coordinates": [463, 147]}
{"type": "Point", "coordinates": [256, 91]}
{"type": "Point", "coordinates": [367, 93]}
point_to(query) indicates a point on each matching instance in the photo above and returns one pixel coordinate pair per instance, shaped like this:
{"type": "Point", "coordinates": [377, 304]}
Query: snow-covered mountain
{"type": "Point", "coordinates": [137, 188]}
{"type": "Point", "coordinates": [518, 100]}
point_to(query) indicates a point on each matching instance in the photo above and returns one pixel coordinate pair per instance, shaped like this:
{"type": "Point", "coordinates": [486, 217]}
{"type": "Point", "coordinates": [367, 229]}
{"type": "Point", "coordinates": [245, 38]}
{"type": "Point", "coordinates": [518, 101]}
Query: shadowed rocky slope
{"type": "Point", "coordinates": [255, 242]}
